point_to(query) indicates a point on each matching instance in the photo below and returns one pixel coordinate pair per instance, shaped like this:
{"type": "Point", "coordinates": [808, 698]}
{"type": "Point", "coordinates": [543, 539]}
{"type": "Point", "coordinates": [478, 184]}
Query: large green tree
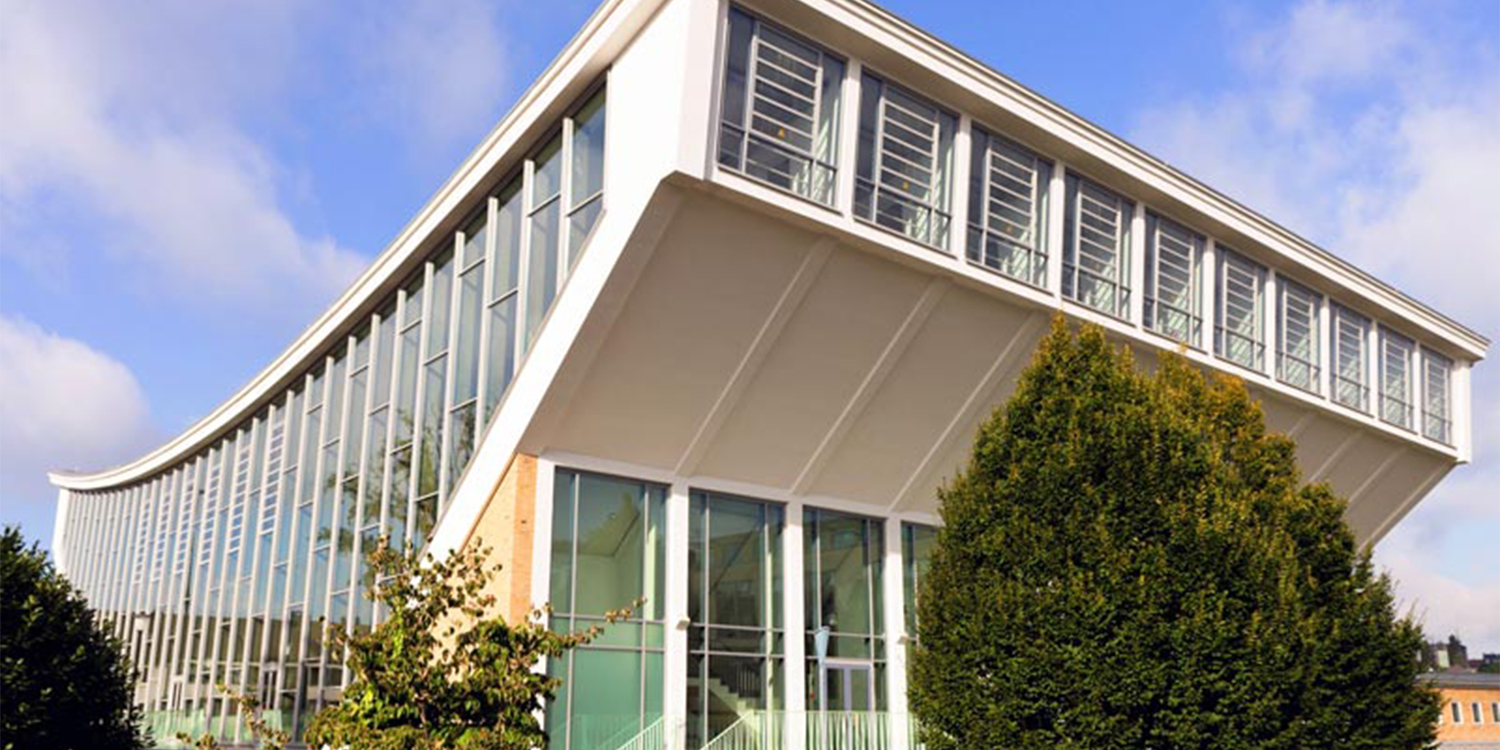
{"type": "Point", "coordinates": [443, 671]}
{"type": "Point", "coordinates": [1132, 560]}
{"type": "Point", "coordinates": [64, 681]}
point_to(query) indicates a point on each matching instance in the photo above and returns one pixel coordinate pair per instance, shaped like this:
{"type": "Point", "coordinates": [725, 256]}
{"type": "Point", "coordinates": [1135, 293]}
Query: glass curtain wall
{"type": "Point", "coordinates": [264, 532]}
{"type": "Point", "coordinates": [842, 564]}
{"type": "Point", "coordinates": [608, 552]}
{"type": "Point", "coordinates": [735, 639]}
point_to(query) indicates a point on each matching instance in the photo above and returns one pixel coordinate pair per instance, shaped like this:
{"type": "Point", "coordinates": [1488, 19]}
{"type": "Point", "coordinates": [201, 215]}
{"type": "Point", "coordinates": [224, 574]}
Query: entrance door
{"type": "Point", "coordinates": [848, 686]}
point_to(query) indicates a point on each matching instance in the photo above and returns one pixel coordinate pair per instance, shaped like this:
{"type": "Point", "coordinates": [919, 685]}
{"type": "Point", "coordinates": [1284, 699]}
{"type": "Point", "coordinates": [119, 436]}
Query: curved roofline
{"type": "Point", "coordinates": [615, 21]}
{"type": "Point", "coordinates": [573, 68]}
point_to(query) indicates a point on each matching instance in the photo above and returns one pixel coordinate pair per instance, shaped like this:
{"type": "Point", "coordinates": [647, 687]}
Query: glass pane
{"type": "Point", "coordinates": [505, 269]}
{"type": "Point", "coordinates": [474, 240]}
{"type": "Point", "coordinates": [605, 701]}
{"type": "Point", "coordinates": [406, 388]}
{"type": "Point", "coordinates": [563, 504]}
{"type": "Point", "coordinates": [611, 544]}
{"type": "Point", "coordinates": [442, 287]}
{"type": "Point", "coordinates": [546, 179]}
{"type": "Point", "coordinates": [588, 150]}
{"type": "Point", "coordinates": [432, 426]}
{"type": "Point", "coordinates": [466, 364]}
{"type": "Point", "coordinates": [541, 282]}
{"type": "Point", "coordinates": [501, 353]}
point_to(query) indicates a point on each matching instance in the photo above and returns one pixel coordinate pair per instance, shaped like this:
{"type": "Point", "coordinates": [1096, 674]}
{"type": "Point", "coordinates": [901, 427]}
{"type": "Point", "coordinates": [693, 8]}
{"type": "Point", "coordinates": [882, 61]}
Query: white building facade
{"type": "Point", "coordinates": [706, 320]}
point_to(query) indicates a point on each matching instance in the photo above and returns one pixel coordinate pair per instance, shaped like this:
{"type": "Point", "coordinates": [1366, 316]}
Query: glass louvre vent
{"type": "Point", "coordinates": [1171, 302]}
{"type": "Point", "coordinates": [1350, 358]}
{"type": "Point", "coordinates": [901, 179]}
{"type": "Point", "coordinates": [1395, 379]}
{"type": "Point", "coordinates": [1239, 334]}
{"type": "Point", "coordinates": [1435, 396]}
{"type": "Point", "coordinates": [1008, 209]}
{"type": "Point", "coordinates": [1297, 346]}
{"type": "Point", "coordinates": [1096, 253]}
{"type": "Point", "coordinates": [780, 115]}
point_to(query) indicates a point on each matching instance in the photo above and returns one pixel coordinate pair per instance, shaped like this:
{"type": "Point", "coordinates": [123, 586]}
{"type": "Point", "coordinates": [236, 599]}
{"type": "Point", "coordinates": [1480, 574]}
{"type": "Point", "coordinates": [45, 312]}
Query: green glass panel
{"type": "Point", "coordinates": [564, 500]}
{"type": "Point", "coordinates": [611, 544]}
{"type": "Point", "coordinates": [605, 701]}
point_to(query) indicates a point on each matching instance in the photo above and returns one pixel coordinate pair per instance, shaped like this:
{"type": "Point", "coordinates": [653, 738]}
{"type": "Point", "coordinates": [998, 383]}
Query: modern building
{"type": "Point", "coordinates": [1470, 718]}
{"type": "Point", "coordinates": [707, 319]}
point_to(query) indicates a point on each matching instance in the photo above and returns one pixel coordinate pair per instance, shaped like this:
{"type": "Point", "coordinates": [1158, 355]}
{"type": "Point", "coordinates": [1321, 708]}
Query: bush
{"type": "Point", "coordinates": [1133, 561]}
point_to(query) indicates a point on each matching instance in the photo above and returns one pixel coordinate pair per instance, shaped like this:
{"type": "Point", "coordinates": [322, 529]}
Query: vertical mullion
{"type": "Point", "coordinates": [450, 355]}
{"type": "Point", "coordinates": [417, 407]}
{"type": "Point", "coordinates": [486, 295]}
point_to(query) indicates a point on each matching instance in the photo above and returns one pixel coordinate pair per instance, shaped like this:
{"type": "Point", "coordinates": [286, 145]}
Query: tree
{"type": "Point", "coordinates": [1133, 561]}
{"type": "Point", "coordinates": [440, 672]}
{"type": "Point", "coordinates": [64, 680]}
{"type": "Point", "coordinates": [251, 714]}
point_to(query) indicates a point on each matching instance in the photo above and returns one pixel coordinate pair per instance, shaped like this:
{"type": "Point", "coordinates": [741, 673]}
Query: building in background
{"type": "Point", "coordinates": [707, 319]}
{"type": "Point", "coordinates": [1471, 710]}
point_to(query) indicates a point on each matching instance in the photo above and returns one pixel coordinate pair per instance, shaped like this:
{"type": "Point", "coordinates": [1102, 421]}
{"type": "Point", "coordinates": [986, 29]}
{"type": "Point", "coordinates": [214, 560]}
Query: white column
{"type": "Point", "coordinates": [1460, 404]}
{"type": "Point", "coordinates": [1209, 307]}
{"type": "Point", "coordinates": [896, 635]}
{"type": "Point", "coordinates": [1324, 355]}
{"type": "Point", "coordinates": [1057, 207]}
{"type": "Point", "coordinates": [1372, 369]}
{"type": "Point", "coordinates": [958, 195]}
{"type": "Point", "coordinates": [1136, 271]}
{"type": "Point", "coordinates": [848, 145]}
{"type": "Point", "coordinates": [792, 622]}
{"type": "Point", "coordinates": [677, 615]}
{"type": "Point", "coordinates": [1273, 337]}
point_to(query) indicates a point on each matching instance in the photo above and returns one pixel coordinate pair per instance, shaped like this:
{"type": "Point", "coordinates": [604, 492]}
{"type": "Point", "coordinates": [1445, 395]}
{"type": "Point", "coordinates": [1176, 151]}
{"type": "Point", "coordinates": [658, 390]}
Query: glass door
{"type": "Point", "coordinates": [848, 686]}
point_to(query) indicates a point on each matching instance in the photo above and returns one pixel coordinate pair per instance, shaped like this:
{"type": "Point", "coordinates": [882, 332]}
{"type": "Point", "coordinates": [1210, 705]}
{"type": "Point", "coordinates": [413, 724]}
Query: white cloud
{"type": "Point", "coordinates": [1374, 129]}
{"type": "Point", "coordinates": [131, 117]}
{"type": "Point", "coordinates": [436, 70]}
{"type": "Point", "coordinates": [62, 404]}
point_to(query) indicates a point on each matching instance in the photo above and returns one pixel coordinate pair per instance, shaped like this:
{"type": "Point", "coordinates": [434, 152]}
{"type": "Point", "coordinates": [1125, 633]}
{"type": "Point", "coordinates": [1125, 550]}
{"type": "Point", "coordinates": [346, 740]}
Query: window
{"type": "Point", "coordinates": [1297, 345]}
{"type": "Point", "coordinates": [1239, 328]}
{"type": "Point", "coordinates": [917, 542]}
{"type": "Point", "coordinates": [735, 638]}
{"type": "Point", "coordinates": [1096, 257]}
{"type": "Point", "coordinates": [1435, 396]}
{"type": "Point", "coordinates": [1351, 333]}
{"type": "Point", "coordinates": [842, 559]}
{"type": "Point", "coordinates": [1172, 258]}
{"type": "Point", "coordinates": [902, 170]}
{"type": "Point", "coordinates": [1458, 712]}
{"type": "Point", "coordinates": [1395, 378]}
{"type": "Point", "coordinates": [1008, 209]}
{"type": "Point", "coordinates": [1495, 712]}
{"type": "Point", "coordinates": [779, 122]}
{"type": "Point", "coordinates": [1475, 711]}
{"type": "Point", "coordinates": [608, 549]}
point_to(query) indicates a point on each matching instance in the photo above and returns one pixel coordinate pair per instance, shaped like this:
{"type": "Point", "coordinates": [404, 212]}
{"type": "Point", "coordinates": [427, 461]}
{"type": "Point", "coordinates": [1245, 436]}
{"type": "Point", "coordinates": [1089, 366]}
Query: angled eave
{"type": "Point", "coordinates": [586, 56]}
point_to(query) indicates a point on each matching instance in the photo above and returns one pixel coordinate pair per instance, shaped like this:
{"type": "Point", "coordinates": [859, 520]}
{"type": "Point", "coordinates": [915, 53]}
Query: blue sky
{"type": "Point", "coordinates": [184, 187]}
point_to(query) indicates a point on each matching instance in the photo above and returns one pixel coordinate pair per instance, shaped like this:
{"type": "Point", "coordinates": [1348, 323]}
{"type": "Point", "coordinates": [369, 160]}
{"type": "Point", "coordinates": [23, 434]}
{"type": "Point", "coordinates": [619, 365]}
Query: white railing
{"type": "Point", "coordinates": [818, 730]}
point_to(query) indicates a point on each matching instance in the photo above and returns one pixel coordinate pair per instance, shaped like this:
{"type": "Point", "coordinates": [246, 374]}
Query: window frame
{"type": "Point", "coordinates": [978, 229]}
{"type": "Point", "coordinates": [1338, 383]}
{"type": "Point", "coordinates": [1405, 405]}
{"type": "Point", "coordinates": [745, 132]}
{"type": "Point", "coordinates": [1227, 259]}
{"type": "Point", "coordinates": [1444, 421]}
{"type": "Point", "coordinates": [1286, 291]}
{"type": "Point", "coordinates": [1074, 191]}
{"type": "Point", "coordinates": [870, 152]}
{"type": "Point", "coordinates": [1150, 298]}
